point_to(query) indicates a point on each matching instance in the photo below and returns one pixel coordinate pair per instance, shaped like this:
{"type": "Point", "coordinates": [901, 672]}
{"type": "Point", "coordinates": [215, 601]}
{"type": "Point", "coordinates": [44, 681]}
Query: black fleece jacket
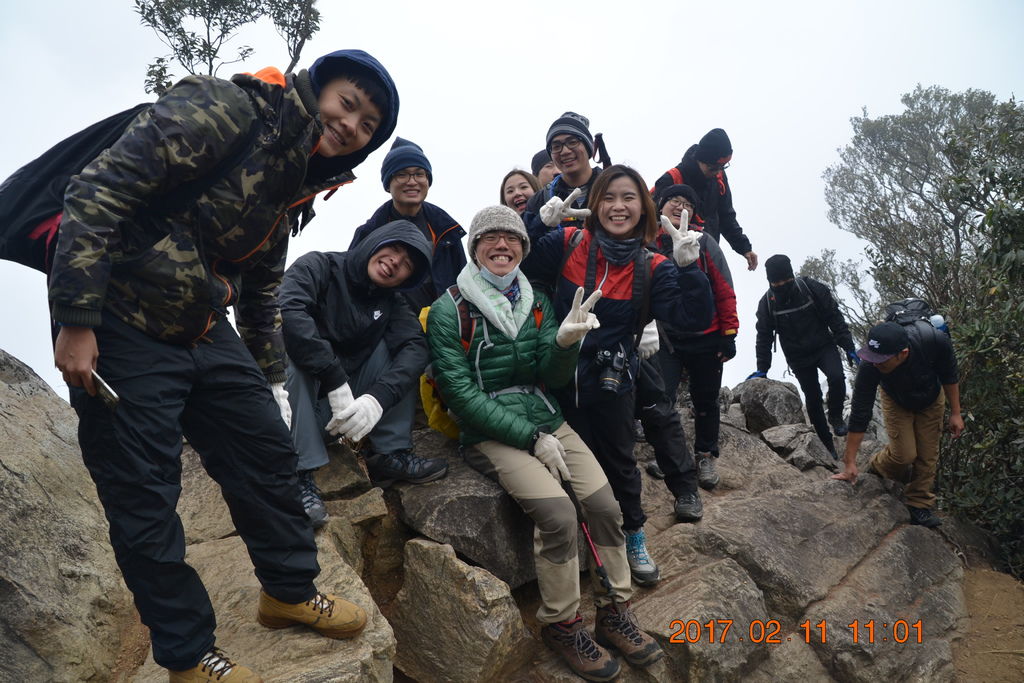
{"type": "Point", "coordinates": [334, 316]}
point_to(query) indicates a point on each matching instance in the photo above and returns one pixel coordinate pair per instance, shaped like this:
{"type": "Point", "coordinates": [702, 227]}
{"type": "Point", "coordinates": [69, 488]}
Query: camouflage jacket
{"type": "Point", "coordinates": [173, 273]}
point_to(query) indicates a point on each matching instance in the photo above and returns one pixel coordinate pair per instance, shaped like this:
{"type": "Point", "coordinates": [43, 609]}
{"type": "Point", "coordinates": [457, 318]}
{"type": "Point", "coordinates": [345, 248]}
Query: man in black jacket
{"type": "Point", "coordinates": [407, 176]}
{"type": "Point", "coordinates": [357, 351]}
{"type": "Point", "coordinates": [703, 168]}
{"type": "Point", "coordinates": [911, 363]}
{"type": "Point", "coordinates": [806, 318]}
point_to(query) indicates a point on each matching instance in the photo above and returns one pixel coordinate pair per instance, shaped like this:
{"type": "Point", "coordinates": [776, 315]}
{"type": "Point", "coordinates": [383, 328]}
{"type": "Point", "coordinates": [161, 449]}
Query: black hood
{"type": "Point", "coordinates": [420, 250]}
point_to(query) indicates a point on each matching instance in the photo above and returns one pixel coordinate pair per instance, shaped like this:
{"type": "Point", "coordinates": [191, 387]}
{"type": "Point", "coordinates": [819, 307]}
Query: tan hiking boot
{"type": "Point", "coordinates": [326, 613]}
{"type": "Point", "coordinates": [576, 646]}
{"type": "Point", "coordinates": [617, 630]}
{"type": "Point", "coordinates": [217, 667]}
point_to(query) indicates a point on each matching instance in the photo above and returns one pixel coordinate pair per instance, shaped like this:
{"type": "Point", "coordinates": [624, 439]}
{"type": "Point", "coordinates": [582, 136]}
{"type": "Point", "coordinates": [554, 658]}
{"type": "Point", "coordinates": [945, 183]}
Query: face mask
{"type": "Point", "coordinates": [502, 282]}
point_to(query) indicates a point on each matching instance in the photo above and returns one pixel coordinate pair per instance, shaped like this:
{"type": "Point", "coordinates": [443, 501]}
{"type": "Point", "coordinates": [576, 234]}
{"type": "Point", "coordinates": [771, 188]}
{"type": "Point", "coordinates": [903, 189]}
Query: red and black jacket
{"type": "Point", "coordinates": [679, 296]}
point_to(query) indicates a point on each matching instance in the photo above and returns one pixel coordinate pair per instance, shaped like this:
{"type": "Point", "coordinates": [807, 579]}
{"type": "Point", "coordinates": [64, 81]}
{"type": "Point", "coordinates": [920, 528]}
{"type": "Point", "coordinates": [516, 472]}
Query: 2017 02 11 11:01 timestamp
{"type": "Point", "coordinates": [769, 631]}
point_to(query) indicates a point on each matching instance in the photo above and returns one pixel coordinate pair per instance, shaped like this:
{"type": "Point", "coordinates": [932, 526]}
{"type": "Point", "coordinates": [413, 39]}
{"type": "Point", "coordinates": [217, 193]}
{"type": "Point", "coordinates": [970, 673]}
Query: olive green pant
{"type": "Point", "coordinates": [912, 453]}
{"type": "Point", "coordinates": [541, 496]}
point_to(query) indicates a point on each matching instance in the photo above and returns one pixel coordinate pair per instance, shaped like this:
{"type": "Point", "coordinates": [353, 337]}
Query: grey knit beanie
{"type": "Point", "coordinates": [571, 123]}
{"type": "Point", "coordinates": [494, 219]}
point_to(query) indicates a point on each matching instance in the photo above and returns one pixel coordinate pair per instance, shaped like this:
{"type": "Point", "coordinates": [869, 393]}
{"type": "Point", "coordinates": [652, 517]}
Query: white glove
{"type": "Point", "coordinates": [550, 452]}
{"type": "Point", "coordinates": [649, 341]}
{"type": "Point", "coordinates": [359, 418]}
{"type": "Point", "coordinates": [685, 243]}
{"type": "Point", "coordinates": [339, 399]}
{"type": "Point", "coordinates": [556, 210]}
{"type": "Point", "coordinates": [281, 396]}
{"type": "Point", "coordinates": [579, 320]}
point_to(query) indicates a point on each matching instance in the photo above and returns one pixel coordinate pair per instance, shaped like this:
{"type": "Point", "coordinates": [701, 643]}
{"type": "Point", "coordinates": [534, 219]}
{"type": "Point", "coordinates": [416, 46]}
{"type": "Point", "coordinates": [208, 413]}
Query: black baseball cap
{"type": "Point", "coordinates": [884, 342]}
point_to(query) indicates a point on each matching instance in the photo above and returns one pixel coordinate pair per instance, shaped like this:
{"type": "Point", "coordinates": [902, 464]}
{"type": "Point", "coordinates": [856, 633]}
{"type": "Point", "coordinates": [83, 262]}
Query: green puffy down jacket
{"type": "Point", "coordinates": [530, 360]}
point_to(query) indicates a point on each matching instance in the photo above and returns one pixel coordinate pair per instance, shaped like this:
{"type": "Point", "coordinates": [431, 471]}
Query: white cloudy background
{"type": "Point", "coordinates": [480, 82]}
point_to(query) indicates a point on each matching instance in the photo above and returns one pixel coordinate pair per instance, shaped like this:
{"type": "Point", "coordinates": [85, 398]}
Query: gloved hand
{"type": "Point", "coordinates": [579, 320]}
{"type": "Point", "coordinates": [339, 399]}
{"type": "Point", "coordinates": [359, 418]}
{"type": "Point", "coordinates": [685, 243]}
{"type": "Point", "coordinates": [649, 341]}
{"type": "Point", "coordinates": [757, 374]}
{"type": "Point", "coordinates": [550, 452]}
{"type": "Point", "coordinates": [281, 396]}
{"type": "Point", "coordinates": [853, 359]}
{"type": "Point", "coordinates": [557, 210]}
{"type": "Point", "coordinates": [726, 347]}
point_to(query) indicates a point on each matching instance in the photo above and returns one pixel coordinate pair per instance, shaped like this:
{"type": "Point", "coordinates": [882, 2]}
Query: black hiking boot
{"type": "Point", "coordinates": [654, 469]}
{"type": "Point", "coordinates": [387, 468]}
{"type": "Point", "coordinates": [574, 644]}
{"type": "Point", "coordinates": [311, 500]}
{"type": "Point", "coordinates": [924, 517]}
{"type": "Point", "coordinates": [617, 630]}
{"type": "Point", "coordinates": [689, 507]}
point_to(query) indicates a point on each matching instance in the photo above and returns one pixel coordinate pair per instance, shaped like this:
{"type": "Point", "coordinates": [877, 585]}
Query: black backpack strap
{"type": "Point", "coordinates": [574, 241]}
{"type": "Point", "coordinates": [642, 291]}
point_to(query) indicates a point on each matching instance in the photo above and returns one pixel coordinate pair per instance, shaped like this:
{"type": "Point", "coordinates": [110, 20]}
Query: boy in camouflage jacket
{"type": "Point", "coordinates": [141, 295]}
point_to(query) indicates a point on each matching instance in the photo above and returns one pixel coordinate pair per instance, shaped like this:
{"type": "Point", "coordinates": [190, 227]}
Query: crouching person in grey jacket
{"type": "Point", "coordinates": [356, 352]}
{"type": "Point", "coordinates": [496, 348]}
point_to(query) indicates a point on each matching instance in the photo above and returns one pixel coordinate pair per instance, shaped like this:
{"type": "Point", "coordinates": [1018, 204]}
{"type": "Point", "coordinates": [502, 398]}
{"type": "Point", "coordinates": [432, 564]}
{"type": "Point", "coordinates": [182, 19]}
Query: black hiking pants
{"type": "Point", "coordinates": [699, 359]}
{"type": "Point", "coordinates": [664, 430]}
{"type": "Point", "coordinates": [216, 396]}
{"type": "Point", "coordinates": [606, 426]}
{"type": "Point", "coordinates": [829, 362]}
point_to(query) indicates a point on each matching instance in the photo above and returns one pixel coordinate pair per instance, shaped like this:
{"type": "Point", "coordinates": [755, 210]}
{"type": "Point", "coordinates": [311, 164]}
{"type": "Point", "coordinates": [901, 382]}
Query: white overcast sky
{"type": "Point", "coordinates": [481, 82]}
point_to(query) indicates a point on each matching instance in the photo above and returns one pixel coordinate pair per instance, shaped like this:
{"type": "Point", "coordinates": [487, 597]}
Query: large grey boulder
{"type": "Point", "coordinates": [799, 543]}
{"type": "Point", "coordinates": [911, 577]}
{"type": "Point", "coordinates": [800, 446]}
{"type": "Point", "coordinates": [455, 622]}
{"type": "Point", "coordinates": [291, 655]}
{"type": "Point", "coordinates": [768, 403]}
{"type": "Point", "coordinates": [472, 514]}
{"type": "Point", "coordinates": [63, 605]}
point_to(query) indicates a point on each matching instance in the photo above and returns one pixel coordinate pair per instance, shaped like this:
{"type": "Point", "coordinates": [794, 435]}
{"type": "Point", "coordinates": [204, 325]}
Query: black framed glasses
{"type": "Point", "coordinates": [493, 237]}
{"type": "Point", "coordinates": [571, 143]}
{"type": "Point", "coordinates": [404, 176]}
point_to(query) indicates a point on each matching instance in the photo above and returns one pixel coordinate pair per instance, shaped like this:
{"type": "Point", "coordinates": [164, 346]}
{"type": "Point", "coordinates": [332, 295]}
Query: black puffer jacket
{"type": "Point", "coordinates": [334, 316]}
{"type": "Point", "coordinates": [807, 319]}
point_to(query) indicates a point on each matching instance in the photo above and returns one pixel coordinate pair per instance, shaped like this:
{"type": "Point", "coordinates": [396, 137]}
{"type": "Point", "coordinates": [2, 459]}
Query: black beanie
{"type": "Point", "coordinates": [572, 123]}
{"type": "Point", "coordinates": [714, 147]}
{"type": "Point", "coordinates": [778, 268]}
{"type": "Point", "coordinates": [540, 160]}
{"type": "Point", "coordinates": [666, 193]}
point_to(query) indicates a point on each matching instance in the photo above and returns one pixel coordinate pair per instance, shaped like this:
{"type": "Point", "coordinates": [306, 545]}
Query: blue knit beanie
{"type": "Point", "coordinates": [404, 154]}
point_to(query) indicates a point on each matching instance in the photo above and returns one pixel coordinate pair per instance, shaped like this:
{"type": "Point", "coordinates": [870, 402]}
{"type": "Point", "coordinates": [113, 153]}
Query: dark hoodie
{"type": "Point", "coordinates": [716, 212]}
{"type": "Point", "coordinates": [334, 316]}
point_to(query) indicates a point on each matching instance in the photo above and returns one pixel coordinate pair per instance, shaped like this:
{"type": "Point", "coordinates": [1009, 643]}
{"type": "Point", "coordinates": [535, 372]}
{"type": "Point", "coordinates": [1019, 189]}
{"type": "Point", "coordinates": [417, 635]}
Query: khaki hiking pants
{"type": "Point", "coordinates": [914, 446]}
{"type": "Point", "coordinates": [555, 550]}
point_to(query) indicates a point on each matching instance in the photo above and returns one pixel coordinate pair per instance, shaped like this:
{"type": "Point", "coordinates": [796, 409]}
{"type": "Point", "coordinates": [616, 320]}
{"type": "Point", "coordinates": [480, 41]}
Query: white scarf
{"type": "Point", "coordinates": [494, 305]}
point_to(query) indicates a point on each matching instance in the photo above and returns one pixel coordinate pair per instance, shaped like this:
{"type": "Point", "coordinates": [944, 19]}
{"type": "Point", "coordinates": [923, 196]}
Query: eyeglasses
{"type": "Point", "coordinates": [718, 168]}
{"type": "Point", "coordinates": [571, 143]}
{"type": "Point", "coordinates": [493, 237]}
{"type": "Point", "coordinates": [679, 201]}
{"type": "Point", "coordinates": [404, 176]}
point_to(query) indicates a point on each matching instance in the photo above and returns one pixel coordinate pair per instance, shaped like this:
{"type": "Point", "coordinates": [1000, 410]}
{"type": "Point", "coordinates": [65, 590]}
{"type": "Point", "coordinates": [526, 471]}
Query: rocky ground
{"type": "Point", "coordinates": [783, 554]}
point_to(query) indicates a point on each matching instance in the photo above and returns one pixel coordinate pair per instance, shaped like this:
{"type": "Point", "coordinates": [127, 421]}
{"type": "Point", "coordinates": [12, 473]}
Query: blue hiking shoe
{"type": "Point", "coordinates": [641, 566]}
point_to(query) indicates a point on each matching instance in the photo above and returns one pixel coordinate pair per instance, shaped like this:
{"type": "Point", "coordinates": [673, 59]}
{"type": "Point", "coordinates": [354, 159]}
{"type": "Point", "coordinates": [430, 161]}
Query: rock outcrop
{"type": "Point", "coordinates": [764, 588]}
{"type": "Point", "coordinates": [63, 605]}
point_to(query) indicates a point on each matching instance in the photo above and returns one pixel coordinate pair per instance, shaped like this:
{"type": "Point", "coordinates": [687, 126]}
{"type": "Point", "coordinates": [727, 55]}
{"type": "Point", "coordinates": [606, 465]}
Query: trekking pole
{"type": "Point", "coordinates": [602, 573]}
